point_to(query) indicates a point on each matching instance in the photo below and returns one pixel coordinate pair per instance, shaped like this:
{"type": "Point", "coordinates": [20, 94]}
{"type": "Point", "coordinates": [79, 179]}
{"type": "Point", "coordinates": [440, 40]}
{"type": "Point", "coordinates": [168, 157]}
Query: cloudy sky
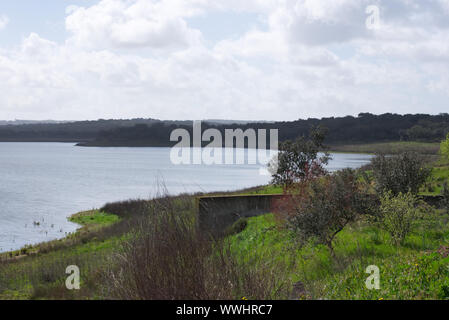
{"type": "Point", "coordinates": [227, 59]}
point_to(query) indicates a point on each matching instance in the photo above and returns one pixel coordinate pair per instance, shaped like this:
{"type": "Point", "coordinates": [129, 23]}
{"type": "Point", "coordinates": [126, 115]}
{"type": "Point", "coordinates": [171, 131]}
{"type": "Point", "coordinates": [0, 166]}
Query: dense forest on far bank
{"type": "Point", "coordinates": [365, 128]}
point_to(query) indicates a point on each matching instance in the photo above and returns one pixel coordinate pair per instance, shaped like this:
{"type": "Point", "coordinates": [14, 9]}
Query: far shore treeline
{"type": "Point", "coordinates": [365, 128]}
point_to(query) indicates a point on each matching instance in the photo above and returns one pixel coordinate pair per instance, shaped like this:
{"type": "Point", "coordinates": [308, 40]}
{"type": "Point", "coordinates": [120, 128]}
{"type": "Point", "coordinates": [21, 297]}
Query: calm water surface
{"type": "Point", "coordinates": [47, 182]}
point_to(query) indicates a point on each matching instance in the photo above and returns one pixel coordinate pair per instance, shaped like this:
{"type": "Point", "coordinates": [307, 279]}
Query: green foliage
{"type": "Point", "coordinates": [365, 128]}
{"type": "Point", "coordinates": [299, 160]}
{"type": "Point", "coordinates": [398, 213]}
{"type": "Point", "coordinates": [399, 173]}
{"type": "Point", "coordinates": [42, 275]}
{"type": "Point", "coordinates": [269, 189]}
{"type": "Point", "coordinates": [445, 195]}
{"type": "Point", "coordinates": [434, 185]}
{"type": "Point", "coordinates": [444, 148]}
{"type": "Point", "coordinates": [321, 208]}
{"type": "Point", "coordinates": [415, 270]}
{"type": "Point", "coordinates": [424, 276]}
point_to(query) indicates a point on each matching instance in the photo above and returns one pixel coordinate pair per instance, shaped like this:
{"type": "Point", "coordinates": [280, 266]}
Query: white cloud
{"type": "Point", "coordinates": [4, 20]}
{"type": "Point", "coordinates": [139, 23]}
{"type": "Point", "coordinates": [311, 58]}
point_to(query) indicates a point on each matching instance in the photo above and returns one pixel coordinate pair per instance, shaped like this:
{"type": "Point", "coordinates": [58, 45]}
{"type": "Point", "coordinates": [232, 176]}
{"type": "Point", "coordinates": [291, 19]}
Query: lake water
{"type": "Point", "coordinates": [47, 182]}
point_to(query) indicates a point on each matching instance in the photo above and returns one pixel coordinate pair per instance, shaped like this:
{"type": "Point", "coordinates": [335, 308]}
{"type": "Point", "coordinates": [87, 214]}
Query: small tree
{"type": "Point", "coordinates": [398, 213]}
{"type": "Point", "coordinates": [444, 148]}
{"type": "Point", "coordinates": [399, 173]}
{"type": "Point", "coordinates": [300, 160]}
{"type": "Point", "coordinates": [320, 208]}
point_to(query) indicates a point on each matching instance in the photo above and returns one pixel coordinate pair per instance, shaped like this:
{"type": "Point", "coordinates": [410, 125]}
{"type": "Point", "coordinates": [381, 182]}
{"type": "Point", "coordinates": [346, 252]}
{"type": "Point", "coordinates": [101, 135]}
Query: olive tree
{"type": "Point", "coordinates": [321, 208]}
{"type": "Point", "coordinates": [301, 159]}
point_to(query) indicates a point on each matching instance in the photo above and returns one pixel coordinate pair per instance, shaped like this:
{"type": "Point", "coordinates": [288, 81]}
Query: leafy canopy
{"type": "Point", "coordinates": [301, 160]}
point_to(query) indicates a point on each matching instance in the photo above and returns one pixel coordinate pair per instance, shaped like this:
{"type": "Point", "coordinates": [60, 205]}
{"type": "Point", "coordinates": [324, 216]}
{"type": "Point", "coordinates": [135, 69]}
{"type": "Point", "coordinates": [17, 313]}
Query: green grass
{"type": "Point", "coordinates": [90, 221]}
{"type": "Point", "coordinates": [39, 272]}
{"type": "Point", "coordinates": [43, 275]}
{"type": "Point", "coordinates": [268, 189]}
{"type": "Point", "coordinates": [440, 174]}
{"type": "Point", "coordinates": [94, 217]}
{"type": "Point", "coordinates": [414, 270]}
{"type": "Point", "coordinates": [429, 148]}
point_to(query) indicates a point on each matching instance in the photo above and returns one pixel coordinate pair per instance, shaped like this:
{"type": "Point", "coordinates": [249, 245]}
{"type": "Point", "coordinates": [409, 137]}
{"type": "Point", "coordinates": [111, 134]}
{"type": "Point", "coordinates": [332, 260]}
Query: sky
{"type": "Point", "coordinates": [222, 59]}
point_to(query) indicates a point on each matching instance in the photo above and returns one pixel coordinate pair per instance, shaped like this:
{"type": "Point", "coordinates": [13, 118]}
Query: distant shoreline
{"type": "Point", "coordinates": [427, 148]}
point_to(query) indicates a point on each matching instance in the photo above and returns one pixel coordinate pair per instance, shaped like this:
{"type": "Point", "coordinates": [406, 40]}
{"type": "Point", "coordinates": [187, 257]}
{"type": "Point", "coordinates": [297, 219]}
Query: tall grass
{"type": "Point", "coordinates": [168, 258]}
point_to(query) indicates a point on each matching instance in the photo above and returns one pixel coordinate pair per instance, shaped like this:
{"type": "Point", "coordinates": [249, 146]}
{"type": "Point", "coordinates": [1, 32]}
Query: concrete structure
{"type": "Point", "coordinates": [216, 213]}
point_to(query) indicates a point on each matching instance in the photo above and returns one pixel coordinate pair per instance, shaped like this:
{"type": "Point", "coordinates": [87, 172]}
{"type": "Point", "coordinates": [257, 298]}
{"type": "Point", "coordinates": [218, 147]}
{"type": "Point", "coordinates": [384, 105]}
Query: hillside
{"type": "Point", "coordinates": [365, 128]}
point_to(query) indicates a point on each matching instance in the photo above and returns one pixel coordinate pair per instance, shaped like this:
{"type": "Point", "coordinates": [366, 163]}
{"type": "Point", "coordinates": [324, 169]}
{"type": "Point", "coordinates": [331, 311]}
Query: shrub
{"type": "Point", "coordinates": [398, 213]}
{"type": "Point", "coordinates": [445, 195]}
{"type": "Point", "coordinates": [319, 209]}
{"type": "Point", "coordinates": [399, 173]}
{"type": "Point", "coordinates": [300, 160]}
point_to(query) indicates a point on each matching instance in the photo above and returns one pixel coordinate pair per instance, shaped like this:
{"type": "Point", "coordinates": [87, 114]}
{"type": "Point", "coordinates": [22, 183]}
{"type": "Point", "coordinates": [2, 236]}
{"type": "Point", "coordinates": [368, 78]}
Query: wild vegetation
{"type": "Point", "coordinates": [397, 213]}
{"type": "Point", "coordinates": [168, 258]}
{"type": "Point", "coordinates": [405, 237]}
{"type": "Point", "coordinates": [402, 173]}
{"type": "Point", "coordinates": [318, 209]}
{"type": "Point", "coordinates": [316, 244]}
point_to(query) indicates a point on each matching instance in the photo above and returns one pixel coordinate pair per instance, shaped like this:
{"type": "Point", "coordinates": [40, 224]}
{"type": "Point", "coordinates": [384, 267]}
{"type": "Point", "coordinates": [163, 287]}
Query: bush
{"type": "Point", "coordinates": [322, 207]}
{"type": "Point", "coordinates": [399, 173]}
{"type": "Point", "coordinates": [398, 213]}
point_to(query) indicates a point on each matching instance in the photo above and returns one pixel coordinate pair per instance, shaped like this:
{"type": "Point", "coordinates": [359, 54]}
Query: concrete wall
{"type": "Point", "coordinates": [216, 213]}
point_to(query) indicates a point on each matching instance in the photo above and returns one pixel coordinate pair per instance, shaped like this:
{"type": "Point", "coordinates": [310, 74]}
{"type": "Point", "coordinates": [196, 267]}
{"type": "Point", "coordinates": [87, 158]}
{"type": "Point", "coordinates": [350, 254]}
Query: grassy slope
{"type": "Point", "coordinates": [440, 174]}
{"type": "Point", "coordinates": [412, 271]}
{"type": "Point", "coordinates": [40, 273]}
